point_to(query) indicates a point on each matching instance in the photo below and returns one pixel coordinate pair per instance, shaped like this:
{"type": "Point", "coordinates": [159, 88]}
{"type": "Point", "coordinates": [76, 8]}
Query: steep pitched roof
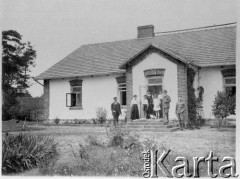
{"type": "Point", "coordinates": [202, 47]}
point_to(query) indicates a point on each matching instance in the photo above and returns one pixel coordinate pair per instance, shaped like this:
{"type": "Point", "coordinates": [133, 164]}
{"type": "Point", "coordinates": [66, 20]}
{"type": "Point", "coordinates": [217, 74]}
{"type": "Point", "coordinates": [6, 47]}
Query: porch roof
{"type": "Point", "coordinates": [203, 47]}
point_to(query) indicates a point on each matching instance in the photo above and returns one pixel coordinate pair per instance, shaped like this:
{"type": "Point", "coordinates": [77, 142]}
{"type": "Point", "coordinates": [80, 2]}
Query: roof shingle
{"type": "Point", "coordinates": [204, 47]}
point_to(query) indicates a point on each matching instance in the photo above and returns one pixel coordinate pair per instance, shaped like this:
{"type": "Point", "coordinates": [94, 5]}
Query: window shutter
{"type": "Point", "coordinates": [69, 99]}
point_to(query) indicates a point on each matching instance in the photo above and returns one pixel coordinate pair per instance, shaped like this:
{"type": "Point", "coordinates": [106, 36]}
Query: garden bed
{"type": "Point", "coordinates": [79, 122]}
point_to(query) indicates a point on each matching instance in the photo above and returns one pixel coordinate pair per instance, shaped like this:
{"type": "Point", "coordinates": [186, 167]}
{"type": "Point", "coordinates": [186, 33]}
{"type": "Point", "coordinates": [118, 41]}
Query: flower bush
{"type": "Point", "coordinates": [223, 106]}
{"type": "Point", "coordinates": [101, 115]}
{"type": "Point", "coordinates": [56, 121]}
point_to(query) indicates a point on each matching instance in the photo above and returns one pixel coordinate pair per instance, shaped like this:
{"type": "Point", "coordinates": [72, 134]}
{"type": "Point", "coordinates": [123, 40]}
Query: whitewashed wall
{"type": "Point", "coordinates": [97, 92]}
{"type": "Point", "coordinates": [155, 60]}
{"type": "Point", "coordinates": [212, 81]}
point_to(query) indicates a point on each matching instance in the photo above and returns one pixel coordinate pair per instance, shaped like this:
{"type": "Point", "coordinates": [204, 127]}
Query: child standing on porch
{"type": "Point", "coordinates": [156, 103]}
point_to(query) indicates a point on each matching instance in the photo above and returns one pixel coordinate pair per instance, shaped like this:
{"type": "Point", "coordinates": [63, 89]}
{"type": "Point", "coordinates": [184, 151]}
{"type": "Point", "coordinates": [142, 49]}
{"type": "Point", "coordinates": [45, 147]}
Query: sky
{"type": "Point", "coordinates": [57, 27]}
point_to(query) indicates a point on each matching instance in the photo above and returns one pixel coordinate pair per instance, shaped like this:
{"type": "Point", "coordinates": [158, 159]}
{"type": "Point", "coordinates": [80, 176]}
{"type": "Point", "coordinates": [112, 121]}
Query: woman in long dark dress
{"type": "Point", "coordinates": [134, 108]}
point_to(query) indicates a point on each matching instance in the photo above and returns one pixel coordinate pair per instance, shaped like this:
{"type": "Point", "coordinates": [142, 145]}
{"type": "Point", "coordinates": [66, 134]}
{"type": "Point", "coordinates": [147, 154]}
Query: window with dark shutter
{"type": "Point", "coordinates": [74, 99]}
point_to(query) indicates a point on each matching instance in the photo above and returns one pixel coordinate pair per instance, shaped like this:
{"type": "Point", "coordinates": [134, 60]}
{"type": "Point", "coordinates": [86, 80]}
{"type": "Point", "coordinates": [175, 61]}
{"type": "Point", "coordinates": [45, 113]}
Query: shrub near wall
{"type": "Point", "coordinates": [23, 152]}
{"type": "Point", "coordinates": [101, 114]}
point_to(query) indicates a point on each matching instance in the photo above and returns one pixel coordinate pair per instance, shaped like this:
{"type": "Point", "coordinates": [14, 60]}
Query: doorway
{"type": "Point", "coordinates": [157, 89]}
{"type": "Point", "coordinates": [155, 86]}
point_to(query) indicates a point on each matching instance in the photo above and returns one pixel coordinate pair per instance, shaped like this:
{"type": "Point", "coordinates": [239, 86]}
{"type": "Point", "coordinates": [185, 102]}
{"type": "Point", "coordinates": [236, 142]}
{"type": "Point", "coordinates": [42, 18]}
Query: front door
{"type": "Point", "coordinates": [157, 89]}
{"type": "Point", "coordinates": [155, 86]}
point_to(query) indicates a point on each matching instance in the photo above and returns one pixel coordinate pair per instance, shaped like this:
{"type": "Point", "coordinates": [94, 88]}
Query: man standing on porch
{"type": "Point", "coordinates": [166, 104]}
{"type": "Point", "coordinates": [160, 98]}
{"type": "Point", "coordinates": [180, 108]}
{"type": "Point", "coordinates": [116, 111]}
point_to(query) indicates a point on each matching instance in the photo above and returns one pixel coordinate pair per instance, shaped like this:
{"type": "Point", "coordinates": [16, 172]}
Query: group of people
{"type": "Point", "coordinates": [154, 105]}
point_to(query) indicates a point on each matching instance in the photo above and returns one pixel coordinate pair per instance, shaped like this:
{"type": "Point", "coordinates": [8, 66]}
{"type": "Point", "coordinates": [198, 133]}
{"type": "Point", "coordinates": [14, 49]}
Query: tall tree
{"type": "Point", "coordinates": [17, 58]}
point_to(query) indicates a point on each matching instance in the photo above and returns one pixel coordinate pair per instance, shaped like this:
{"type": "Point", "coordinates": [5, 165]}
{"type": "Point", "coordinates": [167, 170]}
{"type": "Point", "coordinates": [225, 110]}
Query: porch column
{"type": "Point", "coordinates": [46, 99]}
{"type": "Point", "coordinates": [129, 84]}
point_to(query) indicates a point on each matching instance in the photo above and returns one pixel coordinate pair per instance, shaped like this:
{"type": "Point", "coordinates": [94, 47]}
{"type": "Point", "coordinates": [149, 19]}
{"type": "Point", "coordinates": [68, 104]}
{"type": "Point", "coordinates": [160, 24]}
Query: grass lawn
{"type": "Point", "coordinates": [12, 126]}
{"type": "Point", "coordinates": [189, 143]}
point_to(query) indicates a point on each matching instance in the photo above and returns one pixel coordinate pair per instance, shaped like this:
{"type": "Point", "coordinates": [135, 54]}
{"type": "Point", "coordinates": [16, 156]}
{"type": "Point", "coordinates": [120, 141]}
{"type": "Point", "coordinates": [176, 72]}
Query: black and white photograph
{"type": "Point", "coordinates": [130, 88]}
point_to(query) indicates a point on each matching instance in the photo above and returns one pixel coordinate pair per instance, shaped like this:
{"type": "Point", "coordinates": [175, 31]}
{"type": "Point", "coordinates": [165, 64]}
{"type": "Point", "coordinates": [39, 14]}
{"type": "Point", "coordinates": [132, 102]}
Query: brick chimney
{"type": "Point", "coordinates": [145, 31]}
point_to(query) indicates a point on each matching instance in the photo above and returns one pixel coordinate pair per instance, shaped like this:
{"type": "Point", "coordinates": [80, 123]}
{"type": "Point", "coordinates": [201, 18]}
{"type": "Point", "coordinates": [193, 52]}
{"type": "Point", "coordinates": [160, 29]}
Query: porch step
{"type": "Point", "coordinates": [148, 122]}
{"type": "Point", "coordinates": [151, 125]}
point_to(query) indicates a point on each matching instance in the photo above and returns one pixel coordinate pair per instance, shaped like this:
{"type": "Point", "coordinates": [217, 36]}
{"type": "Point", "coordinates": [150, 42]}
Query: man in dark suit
{"type": "Point", "coordinates": [166, 104]}
{"type": "Point", "coordinates": [116, 111]}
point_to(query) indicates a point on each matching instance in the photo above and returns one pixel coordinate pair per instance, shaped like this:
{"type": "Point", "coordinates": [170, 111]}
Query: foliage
{"type": "Point", "coordinates": [19, 111]}
{"type": "Point", "coordinates": [149, 144]}
{"type": "Point", "coordinates": [101, 115]}
{"type": "Point", "coordinates": [199, 99]}
{"type": "Point", "coordinates": [116, 136]}
{"type": "Point", "coordinates": [223, 106]}
{"type": "Point", "coordinates": [93, 141]}
{"type": "Point", "coordinates": [17, 58]}
{"type": "Point", "coordinates": [82, 152]}
{"type": "Point", "coordinates": [102, 160]}
{"type": "Point", "coordinates": [95, 121]}
{"type": "Point", "coordinates": [79, 121]}
{"type": "Point", "coordinates": [56, 121]}
{"type": "Point", "coordinates": [105, 160]}
{"type": "Point", "coordinates": [9, 100]}
{"type": "Point", "coordinates": [192, 107]}
{"type": "Point", "coordinates": [23, 152]}
{"type": "Point", "coordinates": [200, 120]}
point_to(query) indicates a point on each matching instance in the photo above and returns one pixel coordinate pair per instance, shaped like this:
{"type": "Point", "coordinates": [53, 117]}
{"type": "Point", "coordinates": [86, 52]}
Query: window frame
{"type": "Point", "coordinates": [228, 85]}
{"type": "Point", "coordinates": [225, 86]}
{"type": "Point", "coordinates": [155, 77]}
{"type": "Point", "coordinates": [122, 87]}
{"type": "Point", "coordinates": [156, 84]}
{"type": "Point", "coordinates": [79, 103]}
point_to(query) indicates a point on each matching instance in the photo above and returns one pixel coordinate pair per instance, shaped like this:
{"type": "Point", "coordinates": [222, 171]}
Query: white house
{"type": "Point", "coordinates": [93, 74]}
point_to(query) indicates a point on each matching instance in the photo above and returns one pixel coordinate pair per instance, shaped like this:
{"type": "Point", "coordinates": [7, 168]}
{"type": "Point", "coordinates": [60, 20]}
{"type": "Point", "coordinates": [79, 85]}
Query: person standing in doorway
{"type": "Point", "coordinates": [180, 109]}
{"type": "Point", "coordinates": [145, 105]}
{"type": "Point", "coordinates": [160, 97]}
{"type": "Point", "coordinates": [156, 103]}
{"type": "Point", "coordinates": [166, 105]}
{"type": "Point", "coordinates": [134, 108]}
{"type": "Point", "coordinates": [116, 111]}
{"type": "Point", "coordinates": [150, 104]}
